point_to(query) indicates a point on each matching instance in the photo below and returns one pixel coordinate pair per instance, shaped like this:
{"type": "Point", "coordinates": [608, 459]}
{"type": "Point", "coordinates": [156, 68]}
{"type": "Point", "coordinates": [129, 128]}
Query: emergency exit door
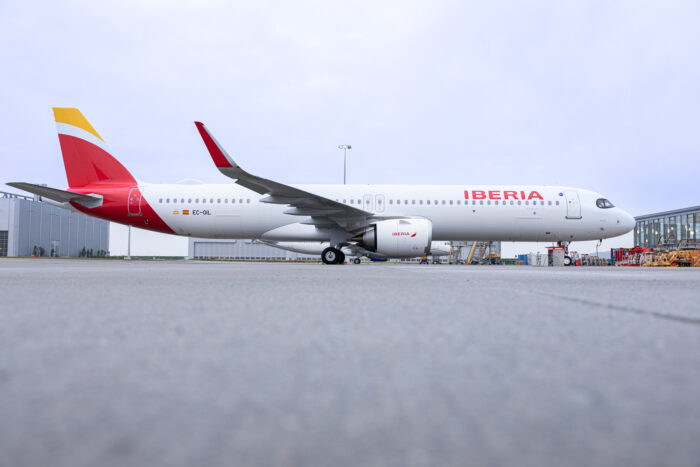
{"type": "Point", "coordinates": [134, 203]}
{"type": "Point", "coordinates": [573, 205]}
{"type": "Point", "coordinates": [367, 205]}
{"type": "Point", "coordinates": [379, 203]}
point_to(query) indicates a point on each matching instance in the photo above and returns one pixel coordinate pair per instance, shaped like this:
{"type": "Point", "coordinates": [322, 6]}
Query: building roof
{"type": "Point", "coordinates": [675, 212]}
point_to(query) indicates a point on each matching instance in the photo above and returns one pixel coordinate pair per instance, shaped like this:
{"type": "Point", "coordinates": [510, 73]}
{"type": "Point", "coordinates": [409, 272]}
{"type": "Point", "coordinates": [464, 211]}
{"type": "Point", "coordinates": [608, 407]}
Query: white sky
{"type": "Point", "coordinates": [602, 95]}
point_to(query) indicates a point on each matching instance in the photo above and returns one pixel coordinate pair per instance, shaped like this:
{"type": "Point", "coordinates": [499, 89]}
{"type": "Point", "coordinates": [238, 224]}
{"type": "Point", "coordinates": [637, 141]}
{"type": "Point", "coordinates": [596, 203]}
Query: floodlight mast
{"type": "Point", "coordinates": [345, 148]}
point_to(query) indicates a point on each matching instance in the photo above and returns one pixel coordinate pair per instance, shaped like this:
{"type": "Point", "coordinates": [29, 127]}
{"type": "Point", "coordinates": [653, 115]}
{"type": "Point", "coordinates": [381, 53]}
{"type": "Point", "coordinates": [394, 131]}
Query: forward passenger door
{"type": "Point", "coordinates": [573, 205]}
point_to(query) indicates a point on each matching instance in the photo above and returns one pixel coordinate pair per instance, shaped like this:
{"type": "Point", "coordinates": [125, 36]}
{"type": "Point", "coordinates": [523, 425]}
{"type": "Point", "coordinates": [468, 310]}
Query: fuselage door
{"type": "Point", "coordinates": [134, 203]}
{"type": "Point", "coordinates": [573, 205]}
{"type": "Point", "coordinates": [367, 205]}
{"type": "Point", "coordinates": [379, 203]}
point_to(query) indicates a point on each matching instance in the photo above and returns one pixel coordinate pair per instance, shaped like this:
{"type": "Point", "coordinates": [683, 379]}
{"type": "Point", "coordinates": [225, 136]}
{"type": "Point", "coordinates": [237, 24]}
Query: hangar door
{"type": "Point", "coordinates": [215, 249]}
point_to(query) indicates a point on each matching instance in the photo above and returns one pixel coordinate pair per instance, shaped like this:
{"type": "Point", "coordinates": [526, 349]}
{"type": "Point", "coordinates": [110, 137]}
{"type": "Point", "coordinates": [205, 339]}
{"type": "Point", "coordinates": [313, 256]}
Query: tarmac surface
{"type": "Point", "coordinates": [117, 363]}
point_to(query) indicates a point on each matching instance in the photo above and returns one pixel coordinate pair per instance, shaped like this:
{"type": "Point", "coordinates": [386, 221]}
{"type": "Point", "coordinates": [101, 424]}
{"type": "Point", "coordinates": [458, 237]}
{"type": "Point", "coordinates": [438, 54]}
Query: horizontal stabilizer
{"type": "Point", "coordinates": [61, 196]}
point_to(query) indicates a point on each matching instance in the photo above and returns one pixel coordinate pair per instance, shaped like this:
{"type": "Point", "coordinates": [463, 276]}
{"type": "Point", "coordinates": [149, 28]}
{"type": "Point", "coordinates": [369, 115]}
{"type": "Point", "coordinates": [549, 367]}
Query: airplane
{"type": "Point", "coordinates": [387, 221]}
{"type": "Point", "coordinates": [316, 248]}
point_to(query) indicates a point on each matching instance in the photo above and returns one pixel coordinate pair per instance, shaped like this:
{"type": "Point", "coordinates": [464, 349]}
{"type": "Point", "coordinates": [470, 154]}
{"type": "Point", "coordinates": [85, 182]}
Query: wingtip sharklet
{"type": "Point", "coordinates": [218, 154]}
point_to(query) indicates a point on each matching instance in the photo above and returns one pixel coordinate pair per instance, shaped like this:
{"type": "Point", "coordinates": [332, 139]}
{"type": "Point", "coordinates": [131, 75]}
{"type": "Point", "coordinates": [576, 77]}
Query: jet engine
{"type": "Point", "coordinates": [398, 238]}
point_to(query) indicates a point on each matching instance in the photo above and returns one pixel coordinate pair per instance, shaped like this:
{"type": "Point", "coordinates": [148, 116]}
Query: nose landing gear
{"type": "Point", "coordinates": [567, 259]}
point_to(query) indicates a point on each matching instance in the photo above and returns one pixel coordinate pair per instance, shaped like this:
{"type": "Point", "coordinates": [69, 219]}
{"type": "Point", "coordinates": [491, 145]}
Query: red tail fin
{"type": "Point", "coordinates": [85, 155]}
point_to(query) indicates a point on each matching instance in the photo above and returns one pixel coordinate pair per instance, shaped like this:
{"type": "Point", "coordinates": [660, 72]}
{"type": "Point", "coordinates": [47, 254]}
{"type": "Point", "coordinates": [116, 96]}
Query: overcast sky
{"type": "Point", "coordinates": [602, 95]}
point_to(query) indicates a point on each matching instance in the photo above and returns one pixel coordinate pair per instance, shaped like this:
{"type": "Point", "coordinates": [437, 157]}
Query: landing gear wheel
{"type": "Point", "coordinates": [332, 256]}
{"type": "Point", "coordinates": [567, 260]}
{"type": "Point", "coordinates": [357, 261]}
{"type": "Point", "coordinates": [341, 260]}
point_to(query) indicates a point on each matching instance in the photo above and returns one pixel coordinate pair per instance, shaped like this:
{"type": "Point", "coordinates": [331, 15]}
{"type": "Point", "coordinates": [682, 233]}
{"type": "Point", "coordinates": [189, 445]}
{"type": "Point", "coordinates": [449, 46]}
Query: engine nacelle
{"type": "Point", "coordinates": [398, 238]}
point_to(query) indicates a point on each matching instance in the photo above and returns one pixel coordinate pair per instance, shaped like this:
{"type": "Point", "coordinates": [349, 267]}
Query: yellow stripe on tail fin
{"type": "Point", "coordinates": [73, 116]}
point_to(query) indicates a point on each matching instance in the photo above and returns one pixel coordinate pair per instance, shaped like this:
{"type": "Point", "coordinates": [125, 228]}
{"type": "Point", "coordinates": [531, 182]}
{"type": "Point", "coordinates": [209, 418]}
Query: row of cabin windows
{"type": "Point", "coordinates": [391, 201]}
{"type": "Point", "coordinates": [480, 202]}
{"type": "Point", "coordinates": [458, 202]}
{"type": "Point", "coordinates": [204, 200]}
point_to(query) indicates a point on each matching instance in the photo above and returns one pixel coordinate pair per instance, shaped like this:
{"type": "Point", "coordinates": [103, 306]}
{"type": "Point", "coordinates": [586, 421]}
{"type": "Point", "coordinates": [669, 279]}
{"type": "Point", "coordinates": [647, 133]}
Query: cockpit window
{"type": "Point", "coordinates": [603, 203]}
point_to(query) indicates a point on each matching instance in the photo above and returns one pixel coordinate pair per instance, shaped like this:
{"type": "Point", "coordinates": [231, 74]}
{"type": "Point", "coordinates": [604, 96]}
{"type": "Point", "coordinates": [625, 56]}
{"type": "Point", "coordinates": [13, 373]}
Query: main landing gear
{"type": "Point", "coordinates": [332, 256]}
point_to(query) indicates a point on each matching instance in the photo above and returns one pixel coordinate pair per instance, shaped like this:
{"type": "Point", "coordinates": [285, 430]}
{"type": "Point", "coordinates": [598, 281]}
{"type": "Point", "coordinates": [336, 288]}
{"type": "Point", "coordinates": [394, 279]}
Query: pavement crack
{"type": "Point", "coordinates": [627, 309]}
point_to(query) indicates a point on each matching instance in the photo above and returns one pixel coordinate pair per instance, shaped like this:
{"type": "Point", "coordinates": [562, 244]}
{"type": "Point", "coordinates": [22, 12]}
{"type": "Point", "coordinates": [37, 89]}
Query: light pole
{"type": "Point", "coordinates": [128, 246]}
{"type": "Point", "coordinates": [345, 148]}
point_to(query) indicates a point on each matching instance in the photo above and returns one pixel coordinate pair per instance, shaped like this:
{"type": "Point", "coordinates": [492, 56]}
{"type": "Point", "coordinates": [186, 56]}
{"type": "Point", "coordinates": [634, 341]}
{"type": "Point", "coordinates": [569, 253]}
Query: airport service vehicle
{"type": "Point", "coordinates": [386, 221]}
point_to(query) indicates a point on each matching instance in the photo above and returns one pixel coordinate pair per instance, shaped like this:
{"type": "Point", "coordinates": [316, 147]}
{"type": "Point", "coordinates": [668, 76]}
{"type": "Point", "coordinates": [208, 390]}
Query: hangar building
{"type": "Point", "coordinates": [251, 250]}
{"type": "Point", "coordinates": [29, 226]}
{"type": "Point", "coordinates": [679, 228]}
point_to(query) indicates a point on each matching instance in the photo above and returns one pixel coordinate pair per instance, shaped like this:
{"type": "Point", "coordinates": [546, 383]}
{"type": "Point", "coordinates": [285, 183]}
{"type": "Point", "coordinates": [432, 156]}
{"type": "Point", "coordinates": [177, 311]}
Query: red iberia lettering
{"type": "Point", "coordinates": [498, 194]}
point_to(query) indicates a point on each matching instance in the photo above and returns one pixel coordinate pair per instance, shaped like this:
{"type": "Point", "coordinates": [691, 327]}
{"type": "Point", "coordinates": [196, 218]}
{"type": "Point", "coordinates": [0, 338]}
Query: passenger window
{"type": "Point", "coordinates": [167, 200]}
{"type": "Point", "coordinates": [160, 201]}
{"type": "Point", "coordinates": [225, 200]}
{"type": "Point", "coordinates": [527, 203]}
{"type": "Point", "coordinates": [420, 201]}
{"type": "Point", "coordinates": [391, 201]}
{"type": "Point", "coordinates": [496, 202]}
{"type": "Point", "coordinates": [413, 201]}
{"type": "Point", "coordinates": [240, 201]}
{"type": "Point", "coordinates": [511, 202]}
{"type": "Point", "coordinates": [557, 203]}
{"type": "Point", "coordinates": [459, 202]}
{"type": "Point", "coordinates": [519, 202]}
{"type": "Point", "coordinates": [248, 201]}
{"type": "Point", "coordinates": [450, 201]}
{"type": "Point", "coordinates": [345, 201]}
{"type": "Point", "coordinates": [196, 200]}
{"type": "Point", "coordinates": [549, 203]}
{"type": "Point", "coordinates": [218, 201]}
{"type": "Point", "coordinates": [488, 202]}
{"type": "Point", "coordinates": [352, 201]}
{"type": "Point", "coordinates": [427, 202]}
{"type": "Point", "coordinates": [481, 202]}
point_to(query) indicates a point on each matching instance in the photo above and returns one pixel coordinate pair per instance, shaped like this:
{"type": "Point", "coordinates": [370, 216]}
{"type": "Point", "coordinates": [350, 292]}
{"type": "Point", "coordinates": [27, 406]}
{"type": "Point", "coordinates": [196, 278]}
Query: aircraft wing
{"type": "Point", "coordinates": [321, 210]}
{"type": "Point", "coordinates": [60, 196]}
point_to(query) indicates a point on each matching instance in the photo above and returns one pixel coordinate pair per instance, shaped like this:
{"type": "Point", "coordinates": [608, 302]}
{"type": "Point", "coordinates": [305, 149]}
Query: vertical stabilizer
{"type": "Point", "coordinates": [85, 154]}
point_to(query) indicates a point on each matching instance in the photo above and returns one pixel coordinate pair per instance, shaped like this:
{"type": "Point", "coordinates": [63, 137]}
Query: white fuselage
{"type": "Point", "coordinates": [506, 213]}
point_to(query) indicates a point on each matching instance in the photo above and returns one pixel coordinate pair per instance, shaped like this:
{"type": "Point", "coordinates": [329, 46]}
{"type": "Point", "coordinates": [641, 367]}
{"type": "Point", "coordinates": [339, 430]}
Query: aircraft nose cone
{"type": "Point", "coordinates": [627, 222]}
